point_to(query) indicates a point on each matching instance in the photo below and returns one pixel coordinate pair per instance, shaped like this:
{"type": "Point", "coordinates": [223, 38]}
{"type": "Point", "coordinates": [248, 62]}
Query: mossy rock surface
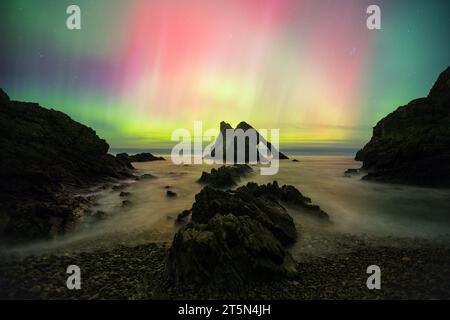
{"type": "Point", "coordinates": [237, 236]}
{"type": "Point", "coordinates": [227, 252]}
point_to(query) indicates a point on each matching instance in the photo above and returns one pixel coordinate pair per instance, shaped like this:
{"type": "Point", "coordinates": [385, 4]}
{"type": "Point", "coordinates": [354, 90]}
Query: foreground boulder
{"type": "Point", "coordinates": [236, 236]}
{"type": "Point", "coordinates": [140, 157]}
{"type": "Point", "coordinates": [226, 252]}
{"type": "Point", "coordinates": [262, 202]}
{"type": "Point", "coordinates": [225, 176]}
{"type": "Point", "coordinates": [412, 144]}
{"type": "Point", "coordinates": [46, 158]}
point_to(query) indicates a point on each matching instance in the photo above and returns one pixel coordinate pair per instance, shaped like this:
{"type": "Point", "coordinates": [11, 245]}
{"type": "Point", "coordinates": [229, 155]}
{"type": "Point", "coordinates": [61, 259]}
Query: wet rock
{"type": "Point", "coordinates": [126, 203]}
{"type": "Point", "coordinates": [99, 214]}
{"type": "Point", "coordinates": [225, 176]}
{"type": "Point", "coordinates": [250, 200]}
{"type": "Point", "coordinates": [119, 187]}
{"type": "Point", "coordinates": [140, 157]}
{"type": "Point", "coordinates": [286, 194]}
{"type": "Point", "coordinates": [124, 159]}
{"type": "Point", "coordinates": [170, 194]}
{"type": "Point", "coordinates": [226, 252]}
{"type": "Point", "coordinates": [182, 217]}
{"type": "Point", "coordinates": [147, 176]}
{"type": "Point", "coordinates": [237, 235]}
{"type": "Point", "coordinates": [92, 198]}
{"type": "Point", "coordinates": [82, 200]}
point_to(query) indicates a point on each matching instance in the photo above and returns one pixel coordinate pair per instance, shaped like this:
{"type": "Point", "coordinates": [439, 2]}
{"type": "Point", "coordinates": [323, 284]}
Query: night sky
{"type": "Point", "coordinates": [139, 69]}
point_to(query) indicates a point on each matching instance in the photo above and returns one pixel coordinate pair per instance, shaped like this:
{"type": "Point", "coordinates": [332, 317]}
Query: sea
{"type": "Point", "coordinates": [355, 206]}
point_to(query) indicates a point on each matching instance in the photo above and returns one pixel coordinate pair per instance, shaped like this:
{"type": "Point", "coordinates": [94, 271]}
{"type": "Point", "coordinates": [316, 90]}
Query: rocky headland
{"type": "Point", "coordinates": [412, 144]}
{"type": "Point", "coordinates": [47, 160]}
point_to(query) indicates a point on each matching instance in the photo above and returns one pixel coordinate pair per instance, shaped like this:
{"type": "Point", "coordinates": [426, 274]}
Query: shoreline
{"type": "Point", "coordinates": [411, 268]}
{"type": "Point", "coordinates": [332, 264]}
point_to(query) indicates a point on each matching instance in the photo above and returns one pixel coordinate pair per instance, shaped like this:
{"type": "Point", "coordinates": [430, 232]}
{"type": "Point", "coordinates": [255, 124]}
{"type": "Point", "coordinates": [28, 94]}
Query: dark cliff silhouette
{"type": "Point", "coordinates": [45, 157]}
{"type": "Point", "coordinates": [412, 144]}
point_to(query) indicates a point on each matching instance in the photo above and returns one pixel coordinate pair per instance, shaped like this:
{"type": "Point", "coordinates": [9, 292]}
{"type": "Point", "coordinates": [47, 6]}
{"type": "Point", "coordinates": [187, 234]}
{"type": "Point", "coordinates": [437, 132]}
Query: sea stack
{"type": "Point", "coordinates": [231, 146]}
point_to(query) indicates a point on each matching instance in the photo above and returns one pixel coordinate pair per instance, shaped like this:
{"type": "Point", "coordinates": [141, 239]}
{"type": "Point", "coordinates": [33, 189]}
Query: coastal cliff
{"type": "Point", "coordinates": [412, 144]}
{"type": "Point", "coordinates": [46, 158]}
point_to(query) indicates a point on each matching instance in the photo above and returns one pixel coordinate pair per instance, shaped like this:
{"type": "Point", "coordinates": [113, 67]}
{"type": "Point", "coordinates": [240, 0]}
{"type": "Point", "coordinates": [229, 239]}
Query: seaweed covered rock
{"type": "Point", "coordinates": [226, 252]}
{"type": "Point", "coordinates": [236, 235]}
{"type": "Point", "coordinates": [286, 194]}
{"type": "Point", "coordinates": [412, 144]}
{"type": "Point", "coordinates": [266, 210]}
{"type": "Point", "coordinates": [225, 176]}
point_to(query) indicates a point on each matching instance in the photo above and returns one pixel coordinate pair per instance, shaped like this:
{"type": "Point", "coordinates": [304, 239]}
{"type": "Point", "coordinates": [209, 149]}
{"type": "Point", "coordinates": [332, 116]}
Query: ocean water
{"type": "Point", "coordinates": [355, 206]}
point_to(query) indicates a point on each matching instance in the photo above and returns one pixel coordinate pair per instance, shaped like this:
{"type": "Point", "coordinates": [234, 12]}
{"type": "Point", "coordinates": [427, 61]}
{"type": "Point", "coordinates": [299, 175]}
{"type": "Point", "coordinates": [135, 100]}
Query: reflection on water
{"type": "Point", "coordinates": [355, 206]}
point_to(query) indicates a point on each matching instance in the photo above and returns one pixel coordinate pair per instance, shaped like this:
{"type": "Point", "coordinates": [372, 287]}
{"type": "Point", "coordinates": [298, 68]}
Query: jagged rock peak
{"type": "Point", "coordinates": [224, 126]}
{"type": "Point", "coordinates": [3, 96]}
{"type": "Point", "coordinates": [244, 126]}
{"type": "Point", "coordinates": [441, 88]}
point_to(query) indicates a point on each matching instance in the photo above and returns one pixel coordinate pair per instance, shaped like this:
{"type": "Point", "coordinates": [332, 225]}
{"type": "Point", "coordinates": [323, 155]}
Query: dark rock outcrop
{"type": "Point", "coordinates": [232, 147]}
{"type": "Point", "coordinates": [236, 236]}
{"type": "Point", "coordinates": [4, 98]}
{"type": "Point", "coordinates": [412, 144]}
{"type": "Point", "coordinates": [351, 172]}
{"type": "Point", "coordinates": [124, 160]}
{"type": "Point", "coordinates": [46, 158]}
{"type": "Point", "coordinates": [170, 194]}
{"type": "Point", "coordinates": [126, 203]}
{"type": "Point", "coordinates": [225, 176]}
{"type": "Point", "coordinates": [227, 252]}
{"type": "Point", "coordinates": [140, 157]}
{"type": "Point", "coordinates": [183, 216]}
{"type": "Point", "coordinates": [146, 176]}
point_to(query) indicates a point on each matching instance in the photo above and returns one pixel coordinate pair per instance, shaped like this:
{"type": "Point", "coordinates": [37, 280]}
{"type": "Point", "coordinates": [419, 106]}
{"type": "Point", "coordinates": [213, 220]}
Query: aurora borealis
{"type": "Point", "coordinates": [139, 69]}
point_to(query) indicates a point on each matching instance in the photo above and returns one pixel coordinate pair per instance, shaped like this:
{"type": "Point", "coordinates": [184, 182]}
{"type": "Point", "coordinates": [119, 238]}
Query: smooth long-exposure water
{"type": "Point", "coordinates": [355, 206]}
